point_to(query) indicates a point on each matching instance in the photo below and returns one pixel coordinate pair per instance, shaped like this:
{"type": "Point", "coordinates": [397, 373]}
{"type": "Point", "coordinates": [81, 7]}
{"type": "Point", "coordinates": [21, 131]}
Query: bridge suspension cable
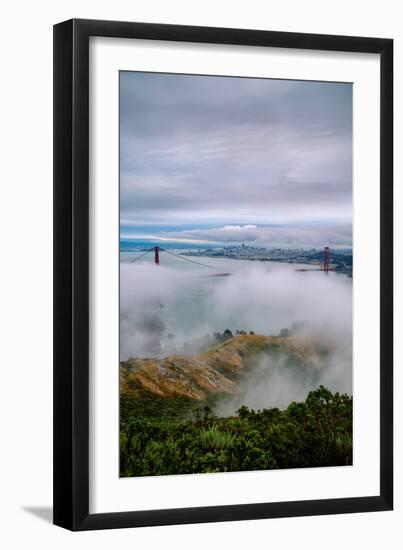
{"type": "Point", "coordinates": [189, 260]}
{"type": "Point", "coordinates": [141, 256]}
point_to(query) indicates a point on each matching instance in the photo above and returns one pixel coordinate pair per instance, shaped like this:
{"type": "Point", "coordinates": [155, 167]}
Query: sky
{"type": "Point", "coordinates": [209, 159]}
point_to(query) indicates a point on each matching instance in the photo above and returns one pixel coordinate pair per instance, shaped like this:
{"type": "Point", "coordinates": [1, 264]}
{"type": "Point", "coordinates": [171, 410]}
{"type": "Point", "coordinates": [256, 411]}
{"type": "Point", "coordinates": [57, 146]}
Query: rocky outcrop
{"type": "Point", "coordinates": [218, 371]}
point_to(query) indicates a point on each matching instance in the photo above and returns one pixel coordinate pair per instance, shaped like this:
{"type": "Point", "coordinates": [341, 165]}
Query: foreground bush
{"type": "Point", "coordinates": [317, 432]}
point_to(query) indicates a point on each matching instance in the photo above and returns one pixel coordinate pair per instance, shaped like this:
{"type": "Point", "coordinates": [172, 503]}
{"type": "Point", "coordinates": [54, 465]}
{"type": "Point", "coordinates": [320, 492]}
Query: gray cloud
{"type": "Point", "coordinates": [219, 150]}
{"type": "Point", "coordinates": [315, 235]}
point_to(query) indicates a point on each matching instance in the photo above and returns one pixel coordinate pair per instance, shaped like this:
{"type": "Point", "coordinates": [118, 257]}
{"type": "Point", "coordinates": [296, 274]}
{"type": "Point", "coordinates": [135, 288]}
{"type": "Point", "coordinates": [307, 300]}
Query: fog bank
{"type": "Point", "coordinates": [165, 310]}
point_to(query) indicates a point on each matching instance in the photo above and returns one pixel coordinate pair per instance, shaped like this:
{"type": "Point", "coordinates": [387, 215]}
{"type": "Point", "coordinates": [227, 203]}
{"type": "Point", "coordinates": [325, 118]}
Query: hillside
{"type": "Point", "coordinates": [172, 419]}
{"type": "Point", "coordinates": [218, 371]}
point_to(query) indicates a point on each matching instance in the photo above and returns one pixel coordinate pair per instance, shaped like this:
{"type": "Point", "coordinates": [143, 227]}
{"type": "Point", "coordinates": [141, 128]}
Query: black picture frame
{"type": "Point", "coordinates": [72, 285]}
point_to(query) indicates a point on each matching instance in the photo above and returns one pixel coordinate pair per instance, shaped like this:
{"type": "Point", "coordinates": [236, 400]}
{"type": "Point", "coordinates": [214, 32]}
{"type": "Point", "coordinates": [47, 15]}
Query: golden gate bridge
{"type": "Point", "coordinates": [157, 249]}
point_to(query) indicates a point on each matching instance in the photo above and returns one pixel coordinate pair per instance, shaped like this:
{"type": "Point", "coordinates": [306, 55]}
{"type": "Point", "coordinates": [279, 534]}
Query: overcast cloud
{"type": "Point", "coordinates": [235, 159]}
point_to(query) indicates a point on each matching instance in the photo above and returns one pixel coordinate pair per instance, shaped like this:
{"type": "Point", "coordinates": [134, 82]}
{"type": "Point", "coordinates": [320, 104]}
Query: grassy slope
{"type": "Point", "coordinates": [217, 371]}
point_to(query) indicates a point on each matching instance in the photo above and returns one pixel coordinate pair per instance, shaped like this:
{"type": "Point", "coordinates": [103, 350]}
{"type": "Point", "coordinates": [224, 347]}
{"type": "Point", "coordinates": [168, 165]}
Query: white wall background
{"type": "Point", "coordinates": [26, 273]}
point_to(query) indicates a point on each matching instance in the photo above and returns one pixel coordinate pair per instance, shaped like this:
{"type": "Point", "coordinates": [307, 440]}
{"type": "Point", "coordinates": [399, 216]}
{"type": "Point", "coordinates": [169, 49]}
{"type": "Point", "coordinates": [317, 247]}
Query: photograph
{"type": "Point", "coordinates": [236, 274]}
{"type": "Point", "coordinates": [201, 270]}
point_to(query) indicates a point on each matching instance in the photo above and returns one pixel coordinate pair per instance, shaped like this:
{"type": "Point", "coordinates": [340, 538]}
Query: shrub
{"type": "Point", "coordinates": [316, 432]}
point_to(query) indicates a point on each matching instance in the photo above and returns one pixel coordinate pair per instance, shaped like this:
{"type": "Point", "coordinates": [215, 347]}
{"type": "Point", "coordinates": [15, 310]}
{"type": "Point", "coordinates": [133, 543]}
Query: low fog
{"type": "Point", "coordinates": [276, 380]}
{"type": "Point", "coordinates": [165, 310]}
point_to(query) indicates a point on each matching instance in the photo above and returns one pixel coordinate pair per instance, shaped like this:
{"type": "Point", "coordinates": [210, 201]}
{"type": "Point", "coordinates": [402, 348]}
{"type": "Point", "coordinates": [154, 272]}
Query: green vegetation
{"type": "Point", "coordinates": [161, 436]}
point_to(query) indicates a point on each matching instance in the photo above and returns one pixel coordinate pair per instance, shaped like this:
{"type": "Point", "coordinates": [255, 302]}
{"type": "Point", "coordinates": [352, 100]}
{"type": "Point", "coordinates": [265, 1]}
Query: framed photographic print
{"type": "Point", "coordinates": [223, 322]}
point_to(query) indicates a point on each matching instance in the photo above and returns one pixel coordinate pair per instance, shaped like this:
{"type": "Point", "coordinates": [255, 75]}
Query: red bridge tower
{"type": "Point", "coordinates": [326, 259]}
{"type": "Point", "coordinates": [156, 255]}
